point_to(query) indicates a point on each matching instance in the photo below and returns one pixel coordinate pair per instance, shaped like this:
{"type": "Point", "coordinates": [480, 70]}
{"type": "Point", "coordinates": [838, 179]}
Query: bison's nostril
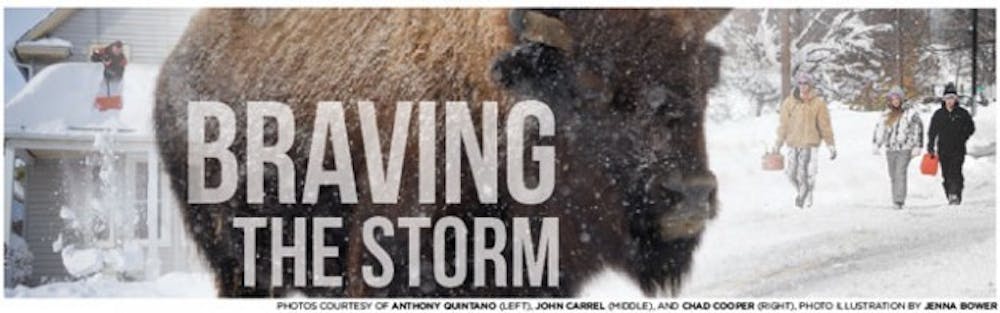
{"type": "Point", "coordinates": [700, 188]}
{"type": "Point", "coordinates": [694, 189]}
{"type": "Point", "coordinates": [695, 205]}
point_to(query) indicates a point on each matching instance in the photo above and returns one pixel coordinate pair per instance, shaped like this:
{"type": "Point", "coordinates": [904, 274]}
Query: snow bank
{"type": "Point", "coordinates": [129, 259]}
{"type": "Point", "coordinates": [82, 262]}
{"type": "Point", "coordinates": [175, 284]}
{"type": "Point", "coordinates": [138, 91]}
{"type": "Point", "coordinates": [61, 95]}
{"type": "Point", "coordinates": [60, 100]}
{"type": "Point", "coordinates": [983, 142]}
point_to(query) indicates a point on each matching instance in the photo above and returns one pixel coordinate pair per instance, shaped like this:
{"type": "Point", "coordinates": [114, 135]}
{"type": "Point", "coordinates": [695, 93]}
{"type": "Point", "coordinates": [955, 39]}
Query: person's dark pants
{"type": "Point", "coordinates": [951, 170]}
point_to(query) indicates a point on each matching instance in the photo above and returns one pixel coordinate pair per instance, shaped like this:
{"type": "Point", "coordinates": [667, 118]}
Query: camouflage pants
{"type": "Point", "coordinates": [898, 161]}
{"type": "Point", "coordinates": [801, 170]}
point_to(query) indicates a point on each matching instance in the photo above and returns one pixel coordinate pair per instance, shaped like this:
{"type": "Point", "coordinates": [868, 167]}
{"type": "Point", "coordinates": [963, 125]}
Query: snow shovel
{"type": "Point", "coordinates": [108, 103]}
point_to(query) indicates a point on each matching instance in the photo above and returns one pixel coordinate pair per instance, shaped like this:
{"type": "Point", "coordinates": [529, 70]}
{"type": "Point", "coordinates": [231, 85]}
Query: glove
{"type": "Point", "coordinates": [833, 152]}
{"type": "Point", "coordinates": [930, 150]}
{"type": "Point", "coordinates": [915, 153]}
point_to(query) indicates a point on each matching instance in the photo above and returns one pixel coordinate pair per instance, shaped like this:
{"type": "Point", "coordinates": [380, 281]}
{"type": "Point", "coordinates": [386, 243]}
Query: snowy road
{"type": "Point", "coordinates": [850, 243]}
{"type": "Point", "coordinates": [861, 251]}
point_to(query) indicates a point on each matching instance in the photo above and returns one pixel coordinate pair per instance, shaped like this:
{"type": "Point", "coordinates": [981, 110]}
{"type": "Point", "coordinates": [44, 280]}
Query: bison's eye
{"type": "Point", "coordinates": [668, 106]}
{"type": "Point", "coordinates": [622, 100]}
{"type": "Point", "coordinates": [673, 120]}
{"type": "Point", "coordinates": [656, 96]}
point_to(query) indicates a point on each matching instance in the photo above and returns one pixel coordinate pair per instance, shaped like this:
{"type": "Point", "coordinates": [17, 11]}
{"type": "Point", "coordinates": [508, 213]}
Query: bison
{"type": "Point", "coordinates": [627, 89]}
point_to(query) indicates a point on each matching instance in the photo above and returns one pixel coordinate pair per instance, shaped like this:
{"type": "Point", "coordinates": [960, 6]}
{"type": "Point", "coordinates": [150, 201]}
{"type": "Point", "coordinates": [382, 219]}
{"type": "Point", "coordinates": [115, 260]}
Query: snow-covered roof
{"type": "Point", "coordinates": [59, 101]}
{"type": "Point", "coordinates": [47, 42]}
{"type": "Point", "coordinates": [45, 48]}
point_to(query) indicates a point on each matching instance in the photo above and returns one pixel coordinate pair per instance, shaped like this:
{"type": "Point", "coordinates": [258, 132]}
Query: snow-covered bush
{"type": "Point", "coordinates": [17, 261]}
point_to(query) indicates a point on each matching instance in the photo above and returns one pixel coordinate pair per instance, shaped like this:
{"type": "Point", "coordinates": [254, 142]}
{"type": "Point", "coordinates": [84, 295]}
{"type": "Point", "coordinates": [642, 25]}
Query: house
{"type": "Point", "coordinates": [69, 35]}
{"type": "Point", "coordinates": [92, 196]}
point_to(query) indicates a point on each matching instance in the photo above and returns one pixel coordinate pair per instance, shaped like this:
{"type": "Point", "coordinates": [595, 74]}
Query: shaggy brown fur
{"type": "Point", "coordinates": [627, 88]}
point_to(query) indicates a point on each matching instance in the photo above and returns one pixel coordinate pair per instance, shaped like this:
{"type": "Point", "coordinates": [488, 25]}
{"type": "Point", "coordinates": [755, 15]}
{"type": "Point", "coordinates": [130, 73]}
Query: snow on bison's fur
{"type": "Point", "coordinates": [627, 88]}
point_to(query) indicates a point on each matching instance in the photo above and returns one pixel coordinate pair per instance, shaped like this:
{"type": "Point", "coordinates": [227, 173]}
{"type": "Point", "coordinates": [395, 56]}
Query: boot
{"type": "Point", "coordinates": [898, 205]}
{"type": "Point", "coordinates": [953, 199]}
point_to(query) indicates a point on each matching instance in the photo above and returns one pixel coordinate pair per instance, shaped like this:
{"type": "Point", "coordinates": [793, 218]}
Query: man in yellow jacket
{"type": "Point", "coordinates": [804, 122]}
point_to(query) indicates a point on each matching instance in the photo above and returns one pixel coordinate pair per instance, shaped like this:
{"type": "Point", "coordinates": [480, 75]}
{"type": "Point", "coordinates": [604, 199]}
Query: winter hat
{"type": "Point", "coordinates": [949, 89]}
{"type": "Point", "coordinates": [895, 91]}
{"type": "Point", "coordinates": [804, 78]}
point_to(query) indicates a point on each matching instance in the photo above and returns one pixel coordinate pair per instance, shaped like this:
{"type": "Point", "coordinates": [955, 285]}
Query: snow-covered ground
{"type": "Point", "coordinates": [851, 243]}
{"type": "Point", "coordinates": [176, 284]}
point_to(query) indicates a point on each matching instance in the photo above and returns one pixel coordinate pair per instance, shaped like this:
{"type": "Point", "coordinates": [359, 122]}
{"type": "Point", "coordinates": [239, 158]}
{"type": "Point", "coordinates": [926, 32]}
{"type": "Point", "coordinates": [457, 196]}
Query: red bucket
{"type": "Point", "coordinates": [929, 165]}
{"type": "Point", "coordinates": [773, 161]}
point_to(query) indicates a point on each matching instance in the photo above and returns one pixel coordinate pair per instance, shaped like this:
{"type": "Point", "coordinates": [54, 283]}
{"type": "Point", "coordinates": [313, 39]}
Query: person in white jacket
{"type": "Point", "coordinates": [901, 133]}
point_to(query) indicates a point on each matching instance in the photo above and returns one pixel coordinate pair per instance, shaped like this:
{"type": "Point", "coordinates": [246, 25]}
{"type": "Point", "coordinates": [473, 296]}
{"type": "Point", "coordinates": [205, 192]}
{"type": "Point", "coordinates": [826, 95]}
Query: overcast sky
{"type": "Point", "coordinates": [15, 22]}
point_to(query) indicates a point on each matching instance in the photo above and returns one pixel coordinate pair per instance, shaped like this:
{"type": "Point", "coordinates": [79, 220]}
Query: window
{"type": "Point", "coordinates": [17, 201]}
{"type": "Point", "coordinates": [150, 223]}
{"type": "Point", "coordinates": [139, 203]}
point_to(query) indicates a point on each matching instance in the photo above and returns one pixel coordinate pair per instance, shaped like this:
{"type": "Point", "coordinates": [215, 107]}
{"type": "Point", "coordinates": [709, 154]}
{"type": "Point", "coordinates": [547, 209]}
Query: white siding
{"type": "Point", "coordinates": [149, 33]}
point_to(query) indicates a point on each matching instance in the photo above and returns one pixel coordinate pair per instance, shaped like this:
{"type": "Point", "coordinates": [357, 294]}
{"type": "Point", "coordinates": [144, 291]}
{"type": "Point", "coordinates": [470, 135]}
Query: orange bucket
{"type": "Point", "coordinates": [929, 165]}
{"type": "Point", "coordinates": [773, 161]}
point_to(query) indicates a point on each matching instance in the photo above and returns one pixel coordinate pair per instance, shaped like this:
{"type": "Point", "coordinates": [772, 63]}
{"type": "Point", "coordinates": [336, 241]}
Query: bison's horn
{"type": "Point", "coordinates": [534, 26]}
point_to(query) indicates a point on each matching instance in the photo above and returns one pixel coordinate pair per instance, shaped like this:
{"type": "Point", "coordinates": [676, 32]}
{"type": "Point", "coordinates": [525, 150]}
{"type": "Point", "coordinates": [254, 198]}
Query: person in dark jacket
{"type": "Point", "coordinates": [950, 128]}
{"type": "Point", "coordinates": [114, 62]}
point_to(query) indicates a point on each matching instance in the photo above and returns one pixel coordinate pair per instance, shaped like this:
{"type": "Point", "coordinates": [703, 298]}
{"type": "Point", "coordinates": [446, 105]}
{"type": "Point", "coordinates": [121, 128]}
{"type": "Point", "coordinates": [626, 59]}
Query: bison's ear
{"type": "Point", "coordinates": [537, 64]}
{"type": "Point", "coordinates": [696, 22]}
